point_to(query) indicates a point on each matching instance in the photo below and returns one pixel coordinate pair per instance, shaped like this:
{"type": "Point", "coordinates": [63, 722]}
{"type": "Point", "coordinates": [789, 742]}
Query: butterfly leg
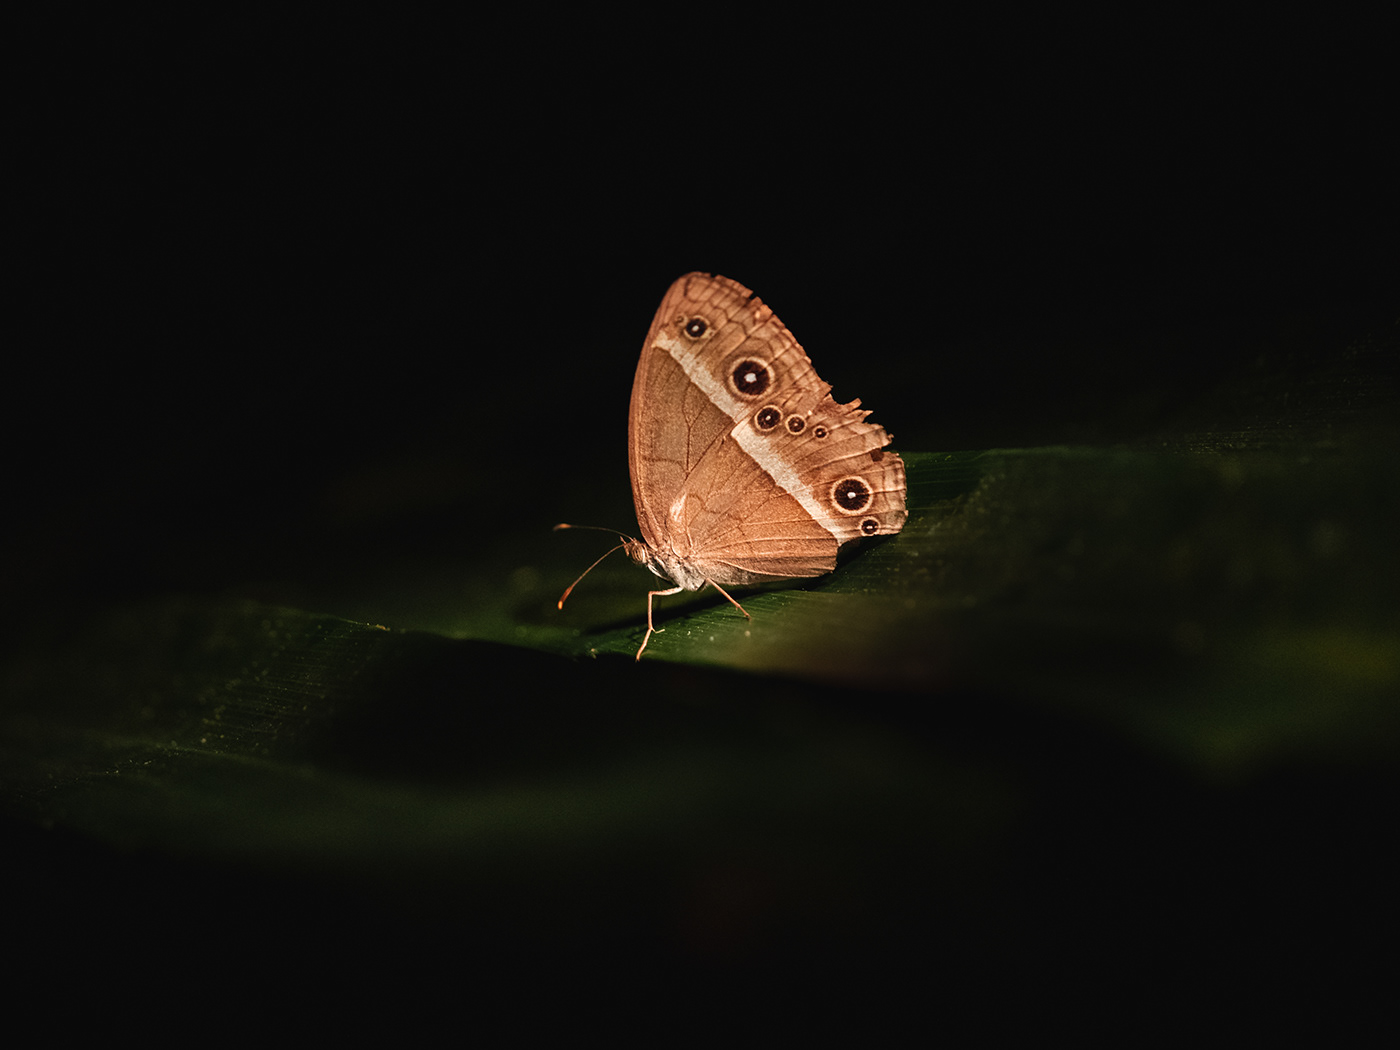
{"type": "Point", "coordinates": [651, 629]}
{"type": "Point", "coordinates": [730, 597]}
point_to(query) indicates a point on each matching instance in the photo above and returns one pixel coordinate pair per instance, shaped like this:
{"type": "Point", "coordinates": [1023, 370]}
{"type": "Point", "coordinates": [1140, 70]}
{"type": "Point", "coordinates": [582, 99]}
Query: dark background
{"type": "Point", "coordinates": [300, 301]}
{"type": "Point", "coordinates": [276, 296]}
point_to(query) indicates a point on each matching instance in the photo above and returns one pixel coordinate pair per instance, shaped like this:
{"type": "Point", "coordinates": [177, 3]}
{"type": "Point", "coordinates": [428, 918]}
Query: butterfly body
{"type": "Point", "coordinates": [744, 469]}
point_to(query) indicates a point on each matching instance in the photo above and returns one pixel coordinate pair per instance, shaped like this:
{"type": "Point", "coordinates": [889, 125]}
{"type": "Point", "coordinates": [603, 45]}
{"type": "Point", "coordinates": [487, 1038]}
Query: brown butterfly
{"type": "Point", "coordinates": [744, 470]}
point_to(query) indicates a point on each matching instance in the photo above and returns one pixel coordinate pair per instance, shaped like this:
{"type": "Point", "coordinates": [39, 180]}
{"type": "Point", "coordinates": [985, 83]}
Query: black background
{"type": "Point", "coordinates": [295, 298]}
{"type": "Point", "coordinates": [287, 291]}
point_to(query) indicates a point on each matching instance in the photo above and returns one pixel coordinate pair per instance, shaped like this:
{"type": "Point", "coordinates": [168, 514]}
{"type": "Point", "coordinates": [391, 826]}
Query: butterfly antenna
{"type": "Point", "coordinates": [596, 528]}
{"type": "Point", "coordinates": [593, 528]}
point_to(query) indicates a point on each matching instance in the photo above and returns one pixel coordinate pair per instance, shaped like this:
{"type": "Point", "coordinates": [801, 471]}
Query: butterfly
{"type": "Point", "coordinates": [744, 469]}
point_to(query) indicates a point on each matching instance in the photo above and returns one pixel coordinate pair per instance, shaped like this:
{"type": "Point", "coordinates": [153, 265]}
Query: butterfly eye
{"type": "Point", "coordinates": [751, 378]}
{"type": "Point", "coordinates": [851, 494]}
{"type": "Point", "coordinates": [819, 431]}
{"type": "Point", "coordinates": [796, 424]}
{"type": "Point", "coordinates": [767, 418]}
{"type": "Point", "coordinates": [695, 328]}
{"type": "Point", "coordinates": [870, 526]}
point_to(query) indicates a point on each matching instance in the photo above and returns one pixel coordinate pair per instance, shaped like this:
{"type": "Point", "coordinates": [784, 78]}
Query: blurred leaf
{"type": "Point", "coordinates": [281, 740]}
{"type": "Point", "coordinates": [1076, 670]}
{"type": "Point", "coordinates": [1147, 584]}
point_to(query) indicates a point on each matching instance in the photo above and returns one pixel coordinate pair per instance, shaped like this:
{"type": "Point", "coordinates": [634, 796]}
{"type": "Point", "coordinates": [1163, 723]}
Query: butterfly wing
{"type": "Point", "coordinates": [743, 467]}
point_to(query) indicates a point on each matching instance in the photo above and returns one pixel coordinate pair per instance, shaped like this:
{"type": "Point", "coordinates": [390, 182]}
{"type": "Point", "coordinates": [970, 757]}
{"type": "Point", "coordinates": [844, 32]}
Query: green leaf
{"type": "Point", "coordinates": [1074, 667]}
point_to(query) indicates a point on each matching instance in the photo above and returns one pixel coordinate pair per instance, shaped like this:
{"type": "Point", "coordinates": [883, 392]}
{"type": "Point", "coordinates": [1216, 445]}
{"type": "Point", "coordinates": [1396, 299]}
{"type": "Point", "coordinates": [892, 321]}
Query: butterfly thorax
{"type": "Point", "coordinates": [666, 564]}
